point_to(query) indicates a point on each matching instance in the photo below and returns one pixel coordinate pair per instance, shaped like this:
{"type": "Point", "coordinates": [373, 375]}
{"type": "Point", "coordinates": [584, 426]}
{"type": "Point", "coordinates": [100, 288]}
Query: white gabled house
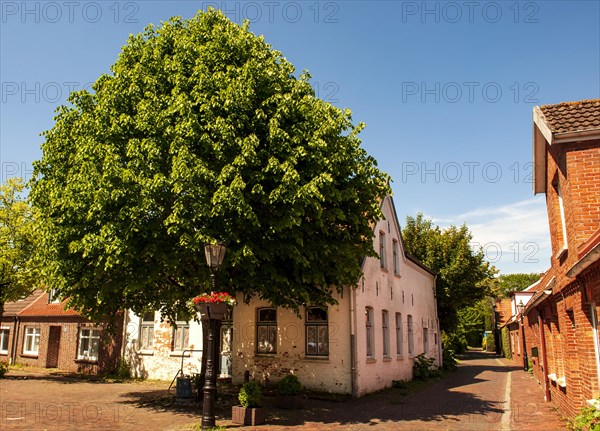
{"type": "Point", "coordinates": [361, 344]}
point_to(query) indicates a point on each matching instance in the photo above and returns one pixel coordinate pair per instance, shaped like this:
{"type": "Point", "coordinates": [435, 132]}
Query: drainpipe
{"type": "Point", "coordinates": [437, 320]}
{"type": "Point", "coordinates": [353, 353]}
{"type": "Point", "coordinates": [547, 395]}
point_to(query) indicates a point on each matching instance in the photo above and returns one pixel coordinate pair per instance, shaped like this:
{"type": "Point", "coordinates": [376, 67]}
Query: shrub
{"type": "Point", "coordinates": [449, 362]}
{"type": "Point", "coordinates": [3, 369]}
{"type": "Point", "coordinates": [491, 343]}
{"type": "Point", "coordinates": [455, 341]}
{"type": "Point", "coordinates": [423, 367]}
{"type": "Point", "coordinates": [588, 419]}
{"type": "Point", "coordinates": [250, 394]}
{"type": "Point", "coordinates": [506, 343]}
{"type": "Point", "coordinates": [124, 372]}
{"type": "Point", "coordinates": [289, 385]}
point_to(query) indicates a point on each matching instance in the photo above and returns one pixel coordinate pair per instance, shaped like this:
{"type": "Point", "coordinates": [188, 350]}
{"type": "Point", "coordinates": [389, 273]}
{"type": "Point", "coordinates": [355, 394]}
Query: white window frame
{"type": "Point", "coordinates": [370, 333]}
{"type": "Point", "coordinates": [562, 215]}
{"type": "Point", "coordinates": [180, 335]}
{"type": "Point", "coordinates": [268, 345]}
{"type": "Point", "coordinates": [31, 340]}
{"type": "Point", "coordinates": [385, 331]}
{"type": "Point", "coordinates": [147, 331]}
{"type": "Point", "coordinates": [4, 339]}
{"type": "Point", "coordinates": [382, 261]}
{"type": "Point", "coordinates": [399, 335]}
{"type": "Point", "coordinates": [320, 329]}
{"type": "Point", "coordinates": [411, 335]}
{"type": "Point", "coordinates": [395, 250]}
{"type": "Point", "coordinates": [86, 349]}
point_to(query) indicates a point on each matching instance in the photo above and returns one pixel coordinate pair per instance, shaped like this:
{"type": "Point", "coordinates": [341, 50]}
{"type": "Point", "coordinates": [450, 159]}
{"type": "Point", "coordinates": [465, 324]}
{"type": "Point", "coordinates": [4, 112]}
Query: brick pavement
{"type": "Point", "coordinates": [472, 398]}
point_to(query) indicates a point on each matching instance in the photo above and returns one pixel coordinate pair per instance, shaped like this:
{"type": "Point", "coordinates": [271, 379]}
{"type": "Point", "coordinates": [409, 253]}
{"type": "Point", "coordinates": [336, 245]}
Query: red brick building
{"type": "Point", "coordinates": [562, 317]}
{"type": "Point", "coordinates": [44, 333]}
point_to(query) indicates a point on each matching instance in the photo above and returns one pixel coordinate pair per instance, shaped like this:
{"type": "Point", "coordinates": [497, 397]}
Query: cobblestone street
{"type": "Point", "coordinates": [485, 393]}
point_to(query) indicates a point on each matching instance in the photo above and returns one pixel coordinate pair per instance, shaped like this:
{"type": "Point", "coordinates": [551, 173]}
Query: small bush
{"type": "Point", "coordinates": [124, 372]}
{"type": "Point", "coordinates": [506, 343]}
{"type": "Point", "coordinates": [250, 394]}
{"type": "Point", "coordinates": [588, 419]}
{"type": "Point", "coordinates": [3, 369]}
{"type": "Point", "coordinates": [289, 385]}
{"type": "Point", "coordinates": [423, 368]}
{"type": "Point", "coordinates": [449, 362]}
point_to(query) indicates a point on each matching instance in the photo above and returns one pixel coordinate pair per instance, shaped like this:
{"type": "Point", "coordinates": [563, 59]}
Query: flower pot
{"type": "Point", "coordinates": [290, 402]}
{"type": "Point", "coordinates": [248, 415]}
{"type": "Point", "coordinates": [211, 310]}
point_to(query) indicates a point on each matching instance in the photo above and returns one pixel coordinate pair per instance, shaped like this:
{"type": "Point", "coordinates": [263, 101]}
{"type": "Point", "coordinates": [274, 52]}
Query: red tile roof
{"type": "Point", "coordinates": [40, 307]}
{"type": "Point", "coordinates": [568, 117]}
{"type": "Point", "coordinates": [12, 308]}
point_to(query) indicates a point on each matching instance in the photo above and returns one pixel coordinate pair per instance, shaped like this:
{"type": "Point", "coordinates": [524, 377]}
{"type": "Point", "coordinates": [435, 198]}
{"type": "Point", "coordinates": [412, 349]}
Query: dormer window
{"type": "Point", "coordinates": [53, 296]}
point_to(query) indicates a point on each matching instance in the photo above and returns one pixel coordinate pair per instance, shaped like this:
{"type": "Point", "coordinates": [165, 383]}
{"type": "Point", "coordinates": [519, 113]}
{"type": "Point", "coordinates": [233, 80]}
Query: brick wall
{"type": "Point", "coordinates": [109, 350]}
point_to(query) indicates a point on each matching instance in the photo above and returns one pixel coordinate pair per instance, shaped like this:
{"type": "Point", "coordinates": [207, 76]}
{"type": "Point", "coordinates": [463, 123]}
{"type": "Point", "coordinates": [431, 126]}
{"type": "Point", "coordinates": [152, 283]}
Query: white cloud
{"type": "Point", "coordinates": [514, 236]}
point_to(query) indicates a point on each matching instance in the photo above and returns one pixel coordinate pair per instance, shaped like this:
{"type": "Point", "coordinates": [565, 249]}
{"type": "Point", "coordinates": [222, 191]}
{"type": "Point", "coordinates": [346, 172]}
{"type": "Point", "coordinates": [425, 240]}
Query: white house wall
{"type": "Point", "coordinates": [160, 362]}
{"type": "Point", "coordinates": [410, 292]}
{"type": "Point", "coordinates": [329, 374]}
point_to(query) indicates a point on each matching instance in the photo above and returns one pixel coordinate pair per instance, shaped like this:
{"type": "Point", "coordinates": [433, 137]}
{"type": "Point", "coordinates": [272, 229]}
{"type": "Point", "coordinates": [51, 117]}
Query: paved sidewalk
{"type": "Point", "coordinates": [485, 393]}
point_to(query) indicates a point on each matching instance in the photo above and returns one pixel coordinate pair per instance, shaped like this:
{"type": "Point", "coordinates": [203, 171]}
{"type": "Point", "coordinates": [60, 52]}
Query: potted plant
{"type": "Point", "coordinates": [213, 305]}
{"type": "Point", "coordinates": [249, 411]}
{"type": "Point", "coordinates": [289, 390]}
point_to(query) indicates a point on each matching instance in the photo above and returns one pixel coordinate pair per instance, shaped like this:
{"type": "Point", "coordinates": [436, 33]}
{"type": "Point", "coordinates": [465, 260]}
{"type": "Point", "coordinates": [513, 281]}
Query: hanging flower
{"type": "Point", "coordinates": [215, 298]}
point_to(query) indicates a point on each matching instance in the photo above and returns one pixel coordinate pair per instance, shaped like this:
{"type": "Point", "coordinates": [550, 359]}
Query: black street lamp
{"type": "Point", "coordinates": [521, 308]}
{"type": "Point", "coordinates": [214, 313]}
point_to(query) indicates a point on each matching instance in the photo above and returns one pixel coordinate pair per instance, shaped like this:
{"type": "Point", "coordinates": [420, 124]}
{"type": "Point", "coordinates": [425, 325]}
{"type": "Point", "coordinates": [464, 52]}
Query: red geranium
{"type": "Point", "coordinates": [215, 298]}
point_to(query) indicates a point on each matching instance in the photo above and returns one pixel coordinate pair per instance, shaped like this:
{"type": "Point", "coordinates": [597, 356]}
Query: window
{"type": "Point", "coordinates": [317, 332]}
{"type": "Point", "coordinates": [181, 335]}
{"type": "Point", "coordinates": [89, 344]}
{"type": "Point", "coordinates": [385, 329]}
{"type": "Point", "coordinates": [395, 256]}
{"type": "Point", "coordinates": [370, 335]}
{"type": "Point", "coordinates": [411, 334]}
{"type": "Point", "coordinates": [53, 296]}
{"type": "Point", "coordinates": [425, 340]}
{"type": "Point", "coordinates": [399, 335]}
{"type": "Point", "coordinates": [4, 333]}
{"type": "Point", "coordinates": [147, 331]}
{"type": "Point", "coordinates": [31, 343]}
{"type": "Point", "coordinates": [266, 330]}
{"type": "Point", "coordinates": [382, 250]}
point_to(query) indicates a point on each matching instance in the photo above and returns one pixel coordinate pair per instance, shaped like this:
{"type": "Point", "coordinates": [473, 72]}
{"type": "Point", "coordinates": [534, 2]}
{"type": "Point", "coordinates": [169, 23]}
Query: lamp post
{"type": "Point", "coordinates": [521, 308]}
{"type": "Point", "coordinates": [214, 257]}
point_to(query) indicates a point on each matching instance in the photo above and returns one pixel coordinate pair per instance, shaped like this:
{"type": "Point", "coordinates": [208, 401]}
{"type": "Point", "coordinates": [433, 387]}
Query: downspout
{"type": "Point", "coordinates": [547, 395]}
{"type": "Point", "coordinates": [353, 353]}
{"type": "Point", "coordinates": [437, 320]}
{"type": "Point", "coordinates": [124, 337]}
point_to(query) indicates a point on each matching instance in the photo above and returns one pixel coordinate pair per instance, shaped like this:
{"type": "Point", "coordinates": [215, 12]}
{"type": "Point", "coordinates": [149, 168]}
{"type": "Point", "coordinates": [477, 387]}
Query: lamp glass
{"type": "Point", "coordinates": [521, 306]}
{"type": "Point", "coordinates": [214, 254]}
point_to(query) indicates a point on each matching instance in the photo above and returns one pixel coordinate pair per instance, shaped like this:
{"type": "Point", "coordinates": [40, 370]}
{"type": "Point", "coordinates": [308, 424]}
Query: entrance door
{"type": "Point", "coordinates": [53, 347]}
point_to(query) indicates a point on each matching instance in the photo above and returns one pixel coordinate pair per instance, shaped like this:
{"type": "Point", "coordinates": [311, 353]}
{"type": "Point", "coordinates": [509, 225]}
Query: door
{"type": "Point", "coordinates": [53, 347]}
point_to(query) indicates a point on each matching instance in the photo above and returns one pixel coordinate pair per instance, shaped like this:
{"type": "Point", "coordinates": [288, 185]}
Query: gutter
{"type": "Point", "coordinates": [588, 259]}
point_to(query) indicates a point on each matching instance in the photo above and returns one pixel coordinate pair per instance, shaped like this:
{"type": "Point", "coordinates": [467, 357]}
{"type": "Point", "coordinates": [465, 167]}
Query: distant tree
{"type": "Point", "coordinates": [463, 274]}
{"type": "Point", "coordinates": [16, 243]}
{"type": "Point", "coordinates": [506, 283]}
{"type": "Point", "coordinates": [202, 133]}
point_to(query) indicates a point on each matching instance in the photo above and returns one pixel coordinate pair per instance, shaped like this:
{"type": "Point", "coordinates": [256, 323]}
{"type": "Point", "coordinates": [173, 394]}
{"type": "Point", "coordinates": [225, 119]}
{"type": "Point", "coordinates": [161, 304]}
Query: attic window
{"type": "Point", "coordinates": [395, 256]}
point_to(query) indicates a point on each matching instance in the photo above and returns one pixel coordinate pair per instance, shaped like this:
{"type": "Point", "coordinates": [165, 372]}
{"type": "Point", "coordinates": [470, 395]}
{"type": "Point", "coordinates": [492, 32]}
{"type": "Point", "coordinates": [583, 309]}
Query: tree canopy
{"type": "Point", "coordinates": [202, 132]}
{"type": "Point", "coordinates": [504, 284]}
{"type": "Point", "coordinates": [463, 274]}
{"type": "Point", "coordinates": [16, 243]}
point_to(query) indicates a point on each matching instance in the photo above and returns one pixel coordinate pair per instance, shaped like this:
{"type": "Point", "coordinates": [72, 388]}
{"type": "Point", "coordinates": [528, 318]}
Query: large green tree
{"type": "Point", "coordinates": [463, 274]}
{"type": "Point", "coordinates": [504, 284]}
{"type": "Point", "coordinates": [16, 243]}
{"type": "Point", "coordinates": [202, 132]}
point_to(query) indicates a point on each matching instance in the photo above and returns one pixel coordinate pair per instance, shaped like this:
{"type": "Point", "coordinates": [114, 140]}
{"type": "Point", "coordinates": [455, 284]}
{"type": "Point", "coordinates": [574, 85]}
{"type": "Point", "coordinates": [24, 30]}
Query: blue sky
{"type": "Point", "coordinates": [446, 89]}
